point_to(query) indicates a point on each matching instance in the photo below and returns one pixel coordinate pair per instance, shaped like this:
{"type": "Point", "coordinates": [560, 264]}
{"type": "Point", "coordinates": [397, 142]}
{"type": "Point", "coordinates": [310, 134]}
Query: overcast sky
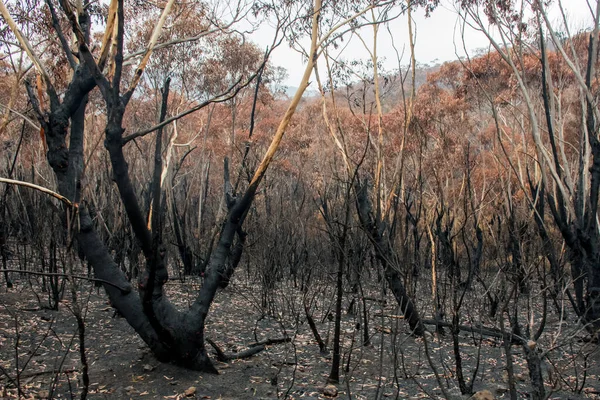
{"type": "Point", "coordinates": [438, 39]}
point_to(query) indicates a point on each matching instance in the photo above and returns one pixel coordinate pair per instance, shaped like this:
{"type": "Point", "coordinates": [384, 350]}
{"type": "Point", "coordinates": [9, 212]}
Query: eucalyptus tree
{"type": "Point", "coordinates": [171, 334]}
{"type": "Point", "coordinates": [566, 178]}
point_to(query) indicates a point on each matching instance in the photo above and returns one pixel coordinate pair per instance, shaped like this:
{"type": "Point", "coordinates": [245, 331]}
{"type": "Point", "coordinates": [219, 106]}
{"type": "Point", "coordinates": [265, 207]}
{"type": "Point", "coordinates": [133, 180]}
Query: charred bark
{"type": "Point", "coordinates": [185, 253]}
{"type": "Point", "coordinates": [580, 231]}
{"type": "Point", "coordinates": [125, 299]}
{"type": "Point", "coordinates": [384, 255]}
{"type": "Point", "coordinates": [234, 258]}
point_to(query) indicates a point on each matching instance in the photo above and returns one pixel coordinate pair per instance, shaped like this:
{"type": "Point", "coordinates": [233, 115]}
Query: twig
{"type": "Point", "coordinates": [486, 331]}
{"type": "Point", "coordinates": [253, 349]}
{"type": "Point", "coordinates": [49, 371]}
{"type": "Point", "coordinates": [268, 342]}
{"type": "Point", "coordinates": [392, 316]}
{"type": "Point", "coordinates": [124, 290]}
{"type": "Point", "coordinates": [39, 188]}
{"type": "Point", "coordinates": [221, 356]}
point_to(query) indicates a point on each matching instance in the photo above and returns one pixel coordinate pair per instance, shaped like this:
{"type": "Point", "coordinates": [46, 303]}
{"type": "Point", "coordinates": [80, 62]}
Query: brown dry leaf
{"type": "Point", "coordinates": [190, 391]}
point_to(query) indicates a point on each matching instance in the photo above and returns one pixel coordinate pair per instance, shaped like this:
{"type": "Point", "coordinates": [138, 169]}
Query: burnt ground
{"type": "Point", "coordinates": [44, 343]}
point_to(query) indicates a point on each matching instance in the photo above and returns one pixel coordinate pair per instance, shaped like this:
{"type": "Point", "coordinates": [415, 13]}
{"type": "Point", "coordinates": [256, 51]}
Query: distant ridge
{"type": "Point", "coordinates": [290, 91]}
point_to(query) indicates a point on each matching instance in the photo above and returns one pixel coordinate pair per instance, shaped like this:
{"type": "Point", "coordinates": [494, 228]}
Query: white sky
{"type": "Point", "coordinates": [438, 39]}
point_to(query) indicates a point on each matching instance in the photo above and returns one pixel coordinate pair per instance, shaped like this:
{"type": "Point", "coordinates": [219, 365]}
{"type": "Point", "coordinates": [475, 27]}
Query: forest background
{"type": "Point", "coordinates": [423, 227]}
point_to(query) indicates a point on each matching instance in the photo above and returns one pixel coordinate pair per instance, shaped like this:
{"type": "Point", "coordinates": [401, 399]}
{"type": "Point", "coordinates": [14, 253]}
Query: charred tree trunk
{"type": "Point", "coordinates": [120, 292]}
{"type": "Point", "coordinates": [185, 253]}
{"type": "Point", "coordinates": [448, 258]}
{"type": "Point", "coordinates": [557, 285]}
{"type": "Point", "coordinates": [580, 230]}
{"type": "Point", "coordinates": [170, 334]}
{"type": "Point", "coordinates": [235, 252]}
{"type": "Point", "coordinates": [534, 365]}
{"type": "Point", "coordinates": [385, 257]}
{"type": "Point", "coordinates": [338, 241]}
{"type": "Point", "coordinates": [234, 259]}
{"type": "Point", "coordinates": [334, 375]}
{"type": "Point", "coordinates": [313, 327]}
{"type": "Point", "coordinates": [590, 235]}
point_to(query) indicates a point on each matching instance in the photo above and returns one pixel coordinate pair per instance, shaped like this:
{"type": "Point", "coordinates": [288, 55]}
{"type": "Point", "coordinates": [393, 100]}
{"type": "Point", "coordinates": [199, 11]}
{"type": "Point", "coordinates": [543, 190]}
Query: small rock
{"type": "Point", "coordinates": [483, 395]}
{"type": "Point", "coordinates": [522, 377]}
{"type": "Point", "coordinates": [330, 391]}
{"type": "Point", "coordinates": [148, 368]}
{"type": "Point", "coordinates": [501, 390]}
{"type": "Point", "coordinates": [189, 392]}
{"type": "Point", "coordinates": [43, 394]}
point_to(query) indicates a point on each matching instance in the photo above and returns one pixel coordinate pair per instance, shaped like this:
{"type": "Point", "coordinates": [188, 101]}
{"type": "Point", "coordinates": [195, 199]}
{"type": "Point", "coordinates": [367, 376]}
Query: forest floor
{"type": "Point", "coordinates": [43, 345]}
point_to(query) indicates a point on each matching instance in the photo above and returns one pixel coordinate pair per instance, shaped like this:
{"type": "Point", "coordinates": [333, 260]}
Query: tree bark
{"type": "Point", "coordinates": [384, 254]}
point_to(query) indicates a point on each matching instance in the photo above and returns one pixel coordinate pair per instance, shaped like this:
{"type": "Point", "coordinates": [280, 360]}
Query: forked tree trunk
{"type": "Point", "coordinates": [171, 335]}
{"type": "Point", "coordinates": [162, 325]}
